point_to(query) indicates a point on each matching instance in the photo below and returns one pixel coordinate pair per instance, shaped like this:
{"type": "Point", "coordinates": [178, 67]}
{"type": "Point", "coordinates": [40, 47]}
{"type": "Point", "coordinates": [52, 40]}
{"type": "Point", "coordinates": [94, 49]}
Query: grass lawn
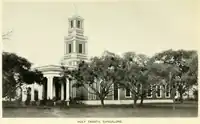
{"type": "Point", "coordinates": [148, 110]}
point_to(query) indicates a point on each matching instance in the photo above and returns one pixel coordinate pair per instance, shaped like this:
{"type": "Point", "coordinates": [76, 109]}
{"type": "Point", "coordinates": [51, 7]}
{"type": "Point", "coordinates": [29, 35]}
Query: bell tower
{"type": "Point", "coordinates": [75, 44]}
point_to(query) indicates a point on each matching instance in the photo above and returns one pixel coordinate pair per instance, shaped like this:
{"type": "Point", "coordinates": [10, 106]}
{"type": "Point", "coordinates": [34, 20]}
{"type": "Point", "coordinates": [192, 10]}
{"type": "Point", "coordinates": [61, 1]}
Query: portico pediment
{"type": "Point", "coordinates": [47, 68]}
{"type": "Point", "coordinates": [52, 70]}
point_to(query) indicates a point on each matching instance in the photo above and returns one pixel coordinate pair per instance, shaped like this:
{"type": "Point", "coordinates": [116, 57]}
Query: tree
{"type": "Point", "coordinates": [97, 76]}
{"type": "Point", "coordinates": [133, 75]}
{"type": "Point", "coordinates": [178, 59]}
{"type": "Point", "coordinates": [166, 72]}
{"type": "Point", "coordinates": [17, 72]}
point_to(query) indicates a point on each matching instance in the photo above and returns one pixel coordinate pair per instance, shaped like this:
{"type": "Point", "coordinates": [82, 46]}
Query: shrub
{"type": "Point", "coordinates": [43, 102]}
{"type": "Point", "coordinates": [49, 102]}
{"type": "Point", "coordinates": [76, 100]}
{"type": "Point", "coordinates": [33, 103]}
{"type": "Point", "coordinates": [8, 104]}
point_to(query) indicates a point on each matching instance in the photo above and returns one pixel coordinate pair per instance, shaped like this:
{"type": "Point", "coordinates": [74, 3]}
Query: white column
{"type": "Point", "coordinates": [40, 92]}
{"type": "Point", "coordinates": [32, 93]}
{"type": "Point", "coordinates": [74, 23]}
{"type": "Point", "coordinates": [118, 93]}
{"type": "Point", "coordinates": [67, 91]}
{"type": "Point", "coordinates": [62, 91]}
{"type": "Point", "coordinates": [74, 45]}
{"type": "Point", "coordinates": [86, 48]}
{"type": "Point", "coordinates": [82, 24]}
{"type": "Point", "coordinates": [50, 87]}
{"type": "Point", "coordinates": [24, 95]}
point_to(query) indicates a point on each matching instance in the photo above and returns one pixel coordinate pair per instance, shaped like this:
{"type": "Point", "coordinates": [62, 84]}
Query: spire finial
{"type": "Point", "coordinates": [75, 9]}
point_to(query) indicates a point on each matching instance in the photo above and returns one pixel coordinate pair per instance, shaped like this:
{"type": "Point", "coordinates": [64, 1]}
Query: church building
{"type": "Point", "coordinates": [75, 49]}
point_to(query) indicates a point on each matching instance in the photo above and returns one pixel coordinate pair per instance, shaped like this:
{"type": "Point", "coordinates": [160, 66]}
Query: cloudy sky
{"type": "Point", "coordinates": [141, 26]}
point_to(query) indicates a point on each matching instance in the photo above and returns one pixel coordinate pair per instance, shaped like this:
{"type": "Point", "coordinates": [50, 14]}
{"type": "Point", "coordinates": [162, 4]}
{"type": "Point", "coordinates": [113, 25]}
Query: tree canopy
{"type": "Point", "coordinates": [16, 72]}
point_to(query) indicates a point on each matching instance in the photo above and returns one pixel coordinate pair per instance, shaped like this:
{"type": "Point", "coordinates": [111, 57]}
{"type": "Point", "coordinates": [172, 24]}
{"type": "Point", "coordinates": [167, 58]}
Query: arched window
{"type": "Point", "coordinates": [128, 93]}
{"type": "Point", "coordinates": [167, 91]}
{"type": "Point", "coordinates": [35, 95]}
{"type": "Point", "coordinates": [78, 24]}
{"type": "Point", "coordinates": [80, 48]}
{"type": "Point", "coordinates": [70, 48]}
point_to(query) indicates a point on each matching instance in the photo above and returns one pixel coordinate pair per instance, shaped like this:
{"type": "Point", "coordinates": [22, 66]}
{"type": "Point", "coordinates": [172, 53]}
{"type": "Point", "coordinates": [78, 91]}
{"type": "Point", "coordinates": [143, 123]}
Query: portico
{"type": "Point", "coordinates": [51, 87]}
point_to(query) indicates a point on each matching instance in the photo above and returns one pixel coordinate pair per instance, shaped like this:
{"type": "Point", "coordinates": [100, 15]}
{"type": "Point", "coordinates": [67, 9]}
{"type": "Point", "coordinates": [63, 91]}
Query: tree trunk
{"type": "Point", "coordinates": [142, 98]}
{"type": "Point", "coordinates": [20, 97]}
{"type": "Point", "coordinates": [135, 101]}
{"type": "Point", "coordinates": [173, 103]}
{"type": "Point", "coordinates": [181, 97]}
{"type": "Point", "coordinates": [20, 94]}
{"type": "Point", "coordinates": [102, 103]}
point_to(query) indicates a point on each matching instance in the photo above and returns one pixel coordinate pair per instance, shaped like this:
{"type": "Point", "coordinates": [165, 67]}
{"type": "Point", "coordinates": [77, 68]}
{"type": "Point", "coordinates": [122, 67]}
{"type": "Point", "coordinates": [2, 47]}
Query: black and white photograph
{"type": "Point", "coordinates": [117, 59]}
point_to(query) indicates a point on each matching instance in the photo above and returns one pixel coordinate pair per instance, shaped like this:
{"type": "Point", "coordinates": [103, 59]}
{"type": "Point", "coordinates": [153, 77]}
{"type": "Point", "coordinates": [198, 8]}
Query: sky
{"type": "Point", "coordinates": [146, 27]}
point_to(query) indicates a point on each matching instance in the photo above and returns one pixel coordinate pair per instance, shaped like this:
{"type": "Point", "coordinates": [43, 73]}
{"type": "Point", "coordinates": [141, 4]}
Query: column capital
{"type": "Point", "coordinates": [49, 77]}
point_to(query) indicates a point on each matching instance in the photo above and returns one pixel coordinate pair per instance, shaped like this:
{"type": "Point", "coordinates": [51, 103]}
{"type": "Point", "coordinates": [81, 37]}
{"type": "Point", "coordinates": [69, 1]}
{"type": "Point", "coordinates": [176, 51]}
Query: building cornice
{"type": "Point", "coordinates": [52, 68]}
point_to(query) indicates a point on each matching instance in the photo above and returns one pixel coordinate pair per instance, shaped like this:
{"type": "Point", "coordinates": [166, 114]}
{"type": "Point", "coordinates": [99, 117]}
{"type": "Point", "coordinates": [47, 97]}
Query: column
{"type": "Point", "coordinates": [74, 23]}
{"type": "Point", "coordinates": [82, 24]}
{"type": "Point", "coordinates": [40, 92]}
{"type": "Point", "coordinates": [24, 95]}
{"type": "Point", "coordinates": [32, 93]}
{"type": "Point", "coordinates": [74, 45]}
{"type": "Point", "coordinates": [65, 48]}
{"type": "Point", "coordinates": [86, 48]}
{"type": "Point", "coordinates": [62, 91]}
{"type": "Point", "coordinates": [50, 87]}
{"type": "Point", "coordinates": [118, 89]}
{"type": "Point", "coordinates": [67, 91]}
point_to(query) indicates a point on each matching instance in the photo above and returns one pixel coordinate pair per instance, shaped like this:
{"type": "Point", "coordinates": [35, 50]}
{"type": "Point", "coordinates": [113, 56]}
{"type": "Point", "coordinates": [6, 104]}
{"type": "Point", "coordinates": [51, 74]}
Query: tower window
{"type": "Point", "coordinates": [72, 24]}
{"type": "Point", "coordinates": [70, 48]}
{"type": "Point", "coordinates": [78, 24]}
{"type": "Point", "coordinates": [80, 48]}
